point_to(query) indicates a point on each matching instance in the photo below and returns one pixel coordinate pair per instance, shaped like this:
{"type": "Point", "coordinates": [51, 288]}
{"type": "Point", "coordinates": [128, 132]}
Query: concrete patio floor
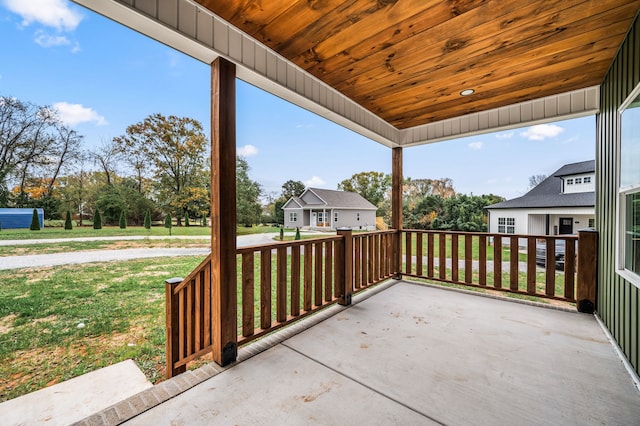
{"type": "Point", "coordinates": [415, 354]}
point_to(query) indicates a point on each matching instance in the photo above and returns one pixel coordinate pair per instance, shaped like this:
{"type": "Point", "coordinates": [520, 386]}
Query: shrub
{"type": "Point", "coordinates": [35, 221]}
{"type": "Point", "coordinates": [97, 220]}
{"type": "Point", "coordinates": [147, 219]}
{"type": "Point", "coordinates": [281, 233]}
{"type": "Point", "coordinates": [297, 233]}
{"type": "Point", "coordinates": [123, 220]}
{"type": "Point", "coordinates": [168, 223]}
{"type": "Point", "coordinates": [186, 219]}
{"type": "Point", "coordinates": [67, 222]}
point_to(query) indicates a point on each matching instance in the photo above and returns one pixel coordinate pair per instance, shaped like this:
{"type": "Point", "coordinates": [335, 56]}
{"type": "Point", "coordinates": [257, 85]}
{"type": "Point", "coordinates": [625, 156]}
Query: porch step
{"type": "Point", "coordinates": [77, 398]}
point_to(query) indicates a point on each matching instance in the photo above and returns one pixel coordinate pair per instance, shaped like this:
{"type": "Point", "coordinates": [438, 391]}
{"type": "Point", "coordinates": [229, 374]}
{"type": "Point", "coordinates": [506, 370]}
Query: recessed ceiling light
{"type": "Point", "coordinates": [467, 92]}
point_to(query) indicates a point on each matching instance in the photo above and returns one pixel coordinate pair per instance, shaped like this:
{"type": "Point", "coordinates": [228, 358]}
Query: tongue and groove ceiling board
{"type": "Point", "coordinates": [407, 60]}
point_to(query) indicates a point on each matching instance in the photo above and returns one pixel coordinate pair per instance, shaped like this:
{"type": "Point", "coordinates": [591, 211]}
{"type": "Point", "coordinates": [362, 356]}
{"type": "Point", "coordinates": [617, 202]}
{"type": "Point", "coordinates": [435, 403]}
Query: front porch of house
{"type": "Point", "coordinates": [406, 353]}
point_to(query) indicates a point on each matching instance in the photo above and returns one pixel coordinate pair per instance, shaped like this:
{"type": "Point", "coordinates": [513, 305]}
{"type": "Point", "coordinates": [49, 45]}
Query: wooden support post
{"type": "Point", "coordinates": [396, 210]}
{"type": "Point", "coordinates": [223, 211]}
{"type": "Point", "coordinates": [345, 259]}
{"type": "Point", "coordinates": [586, 291]}
{"type": "Point", "coordinates": [173, 334]}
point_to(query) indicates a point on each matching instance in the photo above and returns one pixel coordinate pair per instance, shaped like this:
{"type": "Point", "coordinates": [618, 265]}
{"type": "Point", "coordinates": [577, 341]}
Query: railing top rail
{"type": "Point", "coordinates": [285, 244]}
{"type": "Point", "coordinates": [365, 233]}
{"type": "Point", "coordinates": [552, 237]}
{"type": "Point", "coordinates": [193, 273]}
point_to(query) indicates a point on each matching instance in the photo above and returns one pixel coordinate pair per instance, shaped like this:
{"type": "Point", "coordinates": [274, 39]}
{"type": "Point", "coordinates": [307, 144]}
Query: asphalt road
{"type": "Point", "coordinates": [89, 256]}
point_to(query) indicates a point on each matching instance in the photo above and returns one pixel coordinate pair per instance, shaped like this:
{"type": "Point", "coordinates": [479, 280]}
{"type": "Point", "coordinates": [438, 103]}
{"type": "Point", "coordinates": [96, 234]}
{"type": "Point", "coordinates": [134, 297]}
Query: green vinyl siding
{"type": "Point", "coordinates": [618, 299]}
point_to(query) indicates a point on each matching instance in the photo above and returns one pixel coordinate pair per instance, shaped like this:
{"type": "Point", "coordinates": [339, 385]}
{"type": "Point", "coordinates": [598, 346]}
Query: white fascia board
{"type": "Point", "coordinates": [195, 31]}
{"type": "Point", "coordinates": [574, 104]}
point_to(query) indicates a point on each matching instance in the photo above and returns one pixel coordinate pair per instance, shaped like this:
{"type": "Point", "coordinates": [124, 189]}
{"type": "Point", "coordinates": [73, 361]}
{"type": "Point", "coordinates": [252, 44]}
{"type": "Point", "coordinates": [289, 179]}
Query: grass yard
{"type": "Point", "coordinates": [114, 231]}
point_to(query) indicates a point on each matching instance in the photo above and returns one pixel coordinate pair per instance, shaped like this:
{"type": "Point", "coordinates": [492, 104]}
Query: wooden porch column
{"type": "Point", "coordinates": [587, 282]}
{"type": "Point", "coordinates": [223, 211]}
{"type": "Point", "coordinates": [396, 208]}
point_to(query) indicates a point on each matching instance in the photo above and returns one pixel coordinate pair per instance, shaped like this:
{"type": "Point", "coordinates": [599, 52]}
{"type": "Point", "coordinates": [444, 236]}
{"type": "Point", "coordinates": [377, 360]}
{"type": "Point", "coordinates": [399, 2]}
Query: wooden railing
{"type": "Point", "coordinates": [282, 282]}
{"type": "Point", "coordinates": [496, 261]}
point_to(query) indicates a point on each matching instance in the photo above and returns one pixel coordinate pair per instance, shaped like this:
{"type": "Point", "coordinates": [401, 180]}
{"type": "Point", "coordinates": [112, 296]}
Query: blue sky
{"type": "Point", "coordinates": [101, 77]}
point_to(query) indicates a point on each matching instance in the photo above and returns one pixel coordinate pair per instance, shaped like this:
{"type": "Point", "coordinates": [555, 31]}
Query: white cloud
{"type": "Point", "coordinates": [46, 40]}
{"type": "Point", "coordinates": [507, 135]}
{"type": "Point", "coordinates": [541, 132]}
{"type": "Point", "coordinates": [72, 114]}
{"type": "Point", "coordinates": [304, 126]}
{"type": "Point", "coordinates": [476, 145]}
{"type": "Point", "coordinates": [51, 13]}
{"type": "Point", "coordinates": [314, 181]}
{"type": "Point", "coordinates": [247, 151]}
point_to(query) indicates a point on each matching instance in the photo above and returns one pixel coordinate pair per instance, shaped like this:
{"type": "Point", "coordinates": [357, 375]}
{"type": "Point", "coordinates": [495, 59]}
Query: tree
{"type": "Point", "coordinates": [175, 149]}
{"type": "Point", "coordinates": [123, 220]}
{"type": "Point", "coordinates": [35, 221]}
{"type": "Point", "coordinates": [247, 195]}
{"type": "Point", "coordinates": [536, 180]}
{"type": "Point", "coordinates": [168, 222]}
{"type": "Point", "coordinates": [97, 220]}
{"type": "Point", "coordinates": [107, 156]}
{"type": "Point", "coordinates": [373, 186]}
{"type": "Point", "coordinates": [67, 222]}
{"type": "Point", "coordinates": [292, 188]}
{"type": "Point", "coordinates": [147, 220]}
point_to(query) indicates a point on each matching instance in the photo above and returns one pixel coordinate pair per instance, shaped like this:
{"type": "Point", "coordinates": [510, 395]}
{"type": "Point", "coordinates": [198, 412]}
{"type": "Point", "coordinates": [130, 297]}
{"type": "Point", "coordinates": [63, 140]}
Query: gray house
{"type": "Point", "coordinates": [561, 204]}
{"type": "Point", "coordinates": [328, 209]}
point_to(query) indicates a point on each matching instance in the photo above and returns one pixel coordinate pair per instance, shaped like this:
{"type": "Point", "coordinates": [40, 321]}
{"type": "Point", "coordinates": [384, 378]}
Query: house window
{"type": "Point", "coordinates": [592, 223]}
{"type": "Point", "coordinates": [569, 181]}
{"type": "Point", "coordinates": [321, 218]}
{"type": "Point", "coordinates": [587, 179]}
{"type": "Point", "coordinates": [506, 225]}
{"type": "Point", "coordinates": [335, 216]}
{"type": "Point", "coordinates": [629, 189]}
{"type": "Point", "coordinates": [358, 217]}
{"type": "Point", "coordinates": [578, 181]}
{"type": "Point", "coordinates": [293, 217]}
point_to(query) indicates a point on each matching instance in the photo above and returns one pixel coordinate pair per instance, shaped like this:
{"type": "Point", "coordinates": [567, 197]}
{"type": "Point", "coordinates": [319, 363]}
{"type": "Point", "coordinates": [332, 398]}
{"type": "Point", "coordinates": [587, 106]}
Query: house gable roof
{"type": "Point", "coordinates": [332, 199]}
{"type": "Point", "coordinates": [549, 192]}
{"type": "Point", "coordinates": [294, 200]}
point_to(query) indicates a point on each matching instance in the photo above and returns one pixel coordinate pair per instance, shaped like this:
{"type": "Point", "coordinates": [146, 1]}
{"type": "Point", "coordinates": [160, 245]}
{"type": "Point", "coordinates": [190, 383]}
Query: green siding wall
{"type": "Point", "coordinates": [618, 299]}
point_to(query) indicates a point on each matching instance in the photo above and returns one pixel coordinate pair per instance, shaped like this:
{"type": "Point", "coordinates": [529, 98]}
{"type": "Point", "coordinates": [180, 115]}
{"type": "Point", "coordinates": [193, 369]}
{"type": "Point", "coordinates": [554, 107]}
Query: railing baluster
{"type": "Point", "coordinates": [308, 276]}
{"type": "Point", "coordinates": [531, 265]}
{"type": "Point", "coordinates": [550, 264]}
{"type": "Point", "coordinates": [513, 263]}
{"type": "Point", "coordinates": [295, 281]}
{"type": "Point", "coordinates": [408, 239]}
{"type": "Point", "coordinates": [370, 256]}
{"type": "Point", "coordinates": [442, 252]}
{"type": "Point", "coordinates": [265, 289]}
{"type": "Point", "coordinates": [430, 255]}
{"type": "Point", "coordinates": [497, 262]}
{"type": "Point", "coordinates": [248, 294]}
{"type": "Point", "coordinates": [357, 259]}
{"type": "Point", "coordinates": [365, 261]}
{"type": "Point", "coordinates": [317, 253]}
{"type": "Point", "coordinates": [328, 271]}
{"type": "Point", "coordinates": [569, 269]}
{"type": "Point", "coordinates": [419, 253]}
{"type": "Point", "coordinates": [207, 305]}
{"type": "Point", "coordinates": [482, 260]}
{"type": "Point", "coordinates": [198, 312]}
{"type": "Point", "coordinates": [281, 285]}
{"type": "Point", "coordinates": [190, 318]}
{"type": "Point", "coordinates": [455, 276]}
{"type": "Point", "coordinates": [468, 258]}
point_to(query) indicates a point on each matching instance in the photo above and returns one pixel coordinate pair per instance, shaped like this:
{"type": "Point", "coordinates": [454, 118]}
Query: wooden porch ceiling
{"type": "Point", "coordinates": [407, 61]}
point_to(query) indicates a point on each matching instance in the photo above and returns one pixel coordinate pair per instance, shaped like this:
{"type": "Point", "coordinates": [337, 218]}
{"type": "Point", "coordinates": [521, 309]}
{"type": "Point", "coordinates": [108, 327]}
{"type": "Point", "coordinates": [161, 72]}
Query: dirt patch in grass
{"type": "Point", "coordinates": [6, 323]}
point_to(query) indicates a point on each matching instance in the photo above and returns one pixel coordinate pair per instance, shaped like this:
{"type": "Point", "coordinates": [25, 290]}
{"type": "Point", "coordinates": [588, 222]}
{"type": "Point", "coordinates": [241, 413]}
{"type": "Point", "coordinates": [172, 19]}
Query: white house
{"type": "Point", "coordinates": [561, 204]}
{"type": "Point", "coordinates": [328, 209]}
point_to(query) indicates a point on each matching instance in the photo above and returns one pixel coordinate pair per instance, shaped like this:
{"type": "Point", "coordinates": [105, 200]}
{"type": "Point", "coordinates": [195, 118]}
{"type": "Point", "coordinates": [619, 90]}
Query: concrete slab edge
{"type": "Point", "coordinates": [627, 365]}
{"type": "Point", "coordinates": [494, 296]}
{"type": "Point", "coordinates": [137, 404]}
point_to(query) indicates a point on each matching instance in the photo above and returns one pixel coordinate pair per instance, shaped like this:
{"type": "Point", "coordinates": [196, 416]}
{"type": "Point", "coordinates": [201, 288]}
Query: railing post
{"type": "Point", "coordinates": [396, 210]}
{"type": "Point", "coordinates": [346, 257]}
{"type": "Point", "coordinates": [173, 334]}
{"type": "Point", "coordinates": [587, 270]}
